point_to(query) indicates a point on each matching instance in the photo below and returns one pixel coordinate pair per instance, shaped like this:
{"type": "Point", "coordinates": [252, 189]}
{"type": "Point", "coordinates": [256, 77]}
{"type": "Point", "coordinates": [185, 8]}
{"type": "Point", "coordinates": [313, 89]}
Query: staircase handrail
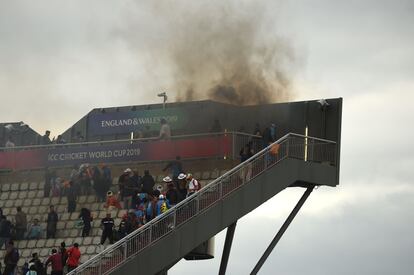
{"type": "Point", "coordinates": [284, 147]}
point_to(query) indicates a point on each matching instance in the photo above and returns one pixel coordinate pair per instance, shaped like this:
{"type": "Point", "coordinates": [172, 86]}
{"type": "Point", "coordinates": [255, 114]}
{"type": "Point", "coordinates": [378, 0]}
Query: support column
{"type": "Point", "coordinates": [282, 230]}
{"type": "Point", "coordinates": [227, 248]}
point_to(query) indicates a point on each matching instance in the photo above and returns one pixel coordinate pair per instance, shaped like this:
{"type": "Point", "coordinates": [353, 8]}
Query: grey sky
{"type": "Point", "coordinates": [60, 59]}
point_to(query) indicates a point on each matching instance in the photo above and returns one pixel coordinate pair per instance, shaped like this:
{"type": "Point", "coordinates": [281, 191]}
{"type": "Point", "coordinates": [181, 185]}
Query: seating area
{"type": "Point", "coordinates": [29, 196]}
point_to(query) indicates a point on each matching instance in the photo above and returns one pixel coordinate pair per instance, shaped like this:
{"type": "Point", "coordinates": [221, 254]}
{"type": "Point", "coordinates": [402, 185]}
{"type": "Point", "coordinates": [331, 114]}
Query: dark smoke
{"type": "Point", "coordinates": [228, 51]}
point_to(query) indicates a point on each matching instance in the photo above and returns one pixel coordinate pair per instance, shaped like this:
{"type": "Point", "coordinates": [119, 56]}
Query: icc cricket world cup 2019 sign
{"type": "Point", "coordinates": [189, 148]}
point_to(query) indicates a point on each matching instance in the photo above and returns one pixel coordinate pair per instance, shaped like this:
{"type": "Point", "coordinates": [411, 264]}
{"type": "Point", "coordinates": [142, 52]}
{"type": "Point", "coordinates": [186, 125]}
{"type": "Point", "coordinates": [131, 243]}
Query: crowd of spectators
{"type": "Point", "coordinates": [60, 260]}
{"type": "Point", "coordinates": [139, 195]}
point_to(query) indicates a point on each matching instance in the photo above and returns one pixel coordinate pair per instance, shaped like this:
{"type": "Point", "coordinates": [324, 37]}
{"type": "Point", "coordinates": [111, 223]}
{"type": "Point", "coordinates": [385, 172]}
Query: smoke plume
{"type": "Point", "coordinates": [228, 52]}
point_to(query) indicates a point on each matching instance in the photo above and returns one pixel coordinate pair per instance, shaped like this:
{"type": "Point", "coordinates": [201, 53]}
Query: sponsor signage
{"type": "Point", "coordinates": [95, 154]}
{"type": "Point", "coordinates": [133, 121]}
{"type": "Point", "coordinates": [200, 147]}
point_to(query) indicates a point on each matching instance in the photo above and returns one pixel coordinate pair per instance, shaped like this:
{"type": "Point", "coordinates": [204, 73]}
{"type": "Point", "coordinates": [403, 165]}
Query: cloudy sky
{"type": "Point", "coordinates": [60, 59]}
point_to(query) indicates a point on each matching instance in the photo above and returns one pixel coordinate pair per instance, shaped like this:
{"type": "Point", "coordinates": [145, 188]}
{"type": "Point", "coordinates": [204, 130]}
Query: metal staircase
{"type": "Point", "coordinates": [293, 160]}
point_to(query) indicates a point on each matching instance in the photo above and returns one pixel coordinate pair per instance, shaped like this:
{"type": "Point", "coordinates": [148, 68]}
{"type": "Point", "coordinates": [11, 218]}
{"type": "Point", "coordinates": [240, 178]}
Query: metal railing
{"type": "Point", "coordinates": [289, 146]}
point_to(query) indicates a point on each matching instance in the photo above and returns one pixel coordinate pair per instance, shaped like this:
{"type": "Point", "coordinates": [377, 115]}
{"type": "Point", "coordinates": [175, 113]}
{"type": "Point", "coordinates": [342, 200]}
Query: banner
{"type": "Point", "coordinates": [133, 121]}
{"type": "Point", "coordinates": [201, 147]}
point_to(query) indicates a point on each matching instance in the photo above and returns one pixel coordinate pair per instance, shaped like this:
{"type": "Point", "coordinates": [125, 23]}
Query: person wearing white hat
{"type": "Point", "coordinates": [182, 186]}
{"type": "Point", "coordinates": [193, 185]}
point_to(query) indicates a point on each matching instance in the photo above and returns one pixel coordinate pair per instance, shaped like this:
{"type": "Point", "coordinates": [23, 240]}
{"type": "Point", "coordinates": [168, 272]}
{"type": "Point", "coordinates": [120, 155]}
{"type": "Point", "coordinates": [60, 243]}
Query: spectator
{"type": "Point", "coordinates": [11, 258]}
{"type": "Point", "coordinates": [73, 255]}
{"type": "Point", "coordinates": [32, 270]}
{"type": "Point", "coordinates": [273, 132]}
{"type": "Point", "coordinates": [216, 128]}
{"type": "Point", "coordinates": [9, 143]}
{"type": "Point", "coordinates": [136, 180]}
{"type": "Point", "coordinates": [257, 131]}
{"type": "Point", "coordinates": [165, 131]}
{"type": "Point", "coordinates": [267, 136]}
{"type": "Point", "coordinates": [38, 265]}
{"type": "Point", "coordinates": [151, 210]}
{"type": "Point", "coordinates": [140, 214]}
{"type": "Point", "coordinates": [124, 185]}
{"type": "Point", "coordinates": [35, 230]}
{"type": "Point", "coordinates": [147, 183]}
{"type": "Point", "coordinates": [56, 260]}
{"type": "Point", "coordinates": [176, 168]}
{"type": "Point", "coordinates": [123, 227]}
{"type": "Point", "coordinates": [257, 141]}
{"type": "Point", "coordinates": [111, 201]}
{"type": "Point", "coordinates": [52, 219]}
{"type": "Point", "coordinates": [85, 178]}
{"type": "Point", "coordinates": [245, 154]}
{"type": "Point", "coordinates": [193, 185]}
{"type": "Point", "coordinates": [159, 188]}
{"type": "Point", "coordinates": [172, 194]}
{"type": "Point", "coordinates": [5, 231]}
{"type": "Point", "coordinates": [21, 223]}
{"type": "Point", "coordinates": [162, 205]}
{"type": "Point", "coordinates": [136, 199]}
{"type": "Point", "coordinates": [107, 224]}
{"type": "Point", "coordinates": [132, 222]}
{"type": "Point", "coordinates": [60, 140]}
{"type": "Point", "coordinates": [105, 184]}
{"type": "Point", "coordinates": [156, 193]}
{"type": "Point", "coordinates": [74, 174]}
{"type": "Point", "coordinates": [57, 186]}
{"type": "Point", "coordinates": [182, 186]}
{"type": "Point", "coordinates": [97, 183]}
{"type": "Point", "coordinates": [50, 176]}
{"type": "Point", "coordinates": [25, 268]}
{"type": "Point", "coordinates": [86, 217]}
{"type": "Point", "coordinates": [46, 138]}
{"type": "Point", "coordinates": [63, 253]}
{"type": "Point", "coordinates": [71, 194]}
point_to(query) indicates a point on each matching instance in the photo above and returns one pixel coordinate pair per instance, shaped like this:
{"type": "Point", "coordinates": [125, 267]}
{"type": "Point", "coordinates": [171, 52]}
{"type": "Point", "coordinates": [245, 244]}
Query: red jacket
{"type": "Point", "coordinates": [112, 201]}
{"type": "Point", "coordinates": [56, 260]}
{"type": "Point", "coordinates": [73, 256]}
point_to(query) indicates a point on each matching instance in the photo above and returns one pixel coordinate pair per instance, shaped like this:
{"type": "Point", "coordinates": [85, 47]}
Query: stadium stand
{"type": "Point", "coordinates": [25, 189]}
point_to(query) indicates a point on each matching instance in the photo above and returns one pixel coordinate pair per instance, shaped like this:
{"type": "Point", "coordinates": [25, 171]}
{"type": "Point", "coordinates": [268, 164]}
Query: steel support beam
{"type": "Point", "coordinates": [227, 248]}
{"type": "Point", "coordinates": [282, 230]}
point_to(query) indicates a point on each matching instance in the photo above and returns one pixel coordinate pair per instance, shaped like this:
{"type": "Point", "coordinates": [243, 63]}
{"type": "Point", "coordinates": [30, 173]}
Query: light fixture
{"type": "Point", "coordinates": [164, 96]}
